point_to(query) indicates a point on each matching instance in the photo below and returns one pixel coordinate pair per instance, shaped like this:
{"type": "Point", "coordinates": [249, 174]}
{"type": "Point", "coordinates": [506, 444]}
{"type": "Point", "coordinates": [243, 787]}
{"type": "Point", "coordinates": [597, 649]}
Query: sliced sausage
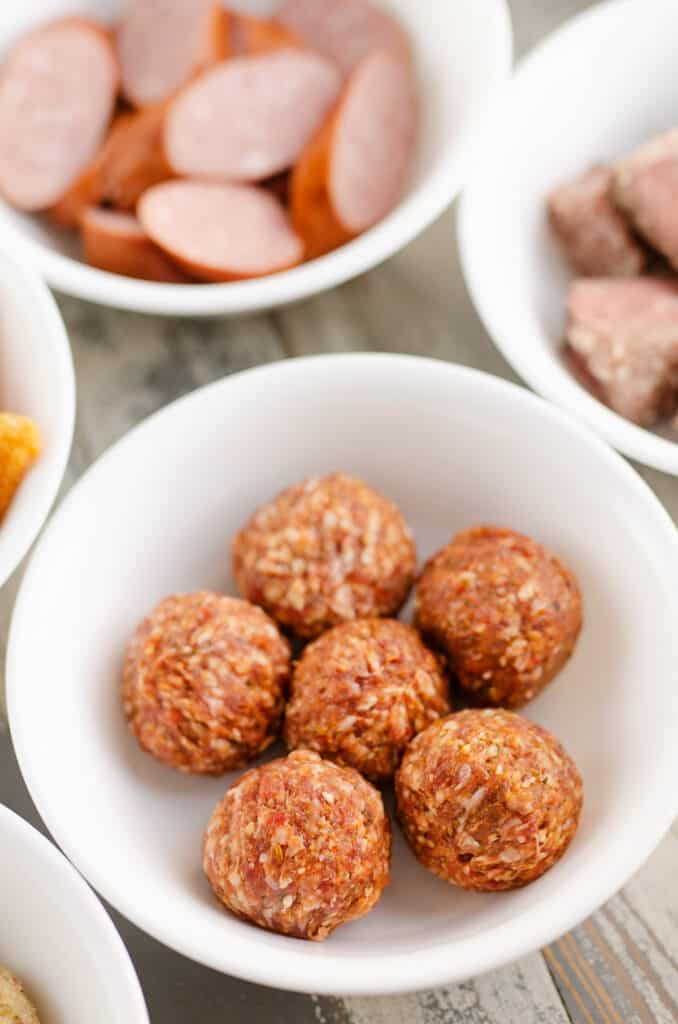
{"type": "Point", "coordinates": [84, 192]}
{"type": "Point", "coordinates": [115, 241]}
{"type": "Point", "coordinates": [163, 43]}
{"type": "Point", "coordinates": [133, 159]}
{"type": "Point", "coordinates": [354, 172]}
{"type": "Point", "coordinates": [249, 117]}
{"type": "Point", "coordinates": [346, 31]}
{"type": "Point", "coordinates": [57, 92]}
{"type": "Point", "coordinates": [248, 36]}
{"type": "Point", "coordinates": [220, 232]}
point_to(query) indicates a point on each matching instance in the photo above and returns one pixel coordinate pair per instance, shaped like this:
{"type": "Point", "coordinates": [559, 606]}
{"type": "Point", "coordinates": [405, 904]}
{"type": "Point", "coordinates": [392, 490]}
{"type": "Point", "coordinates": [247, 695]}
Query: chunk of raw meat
{"type": "Point", "coordinates": [624, 333]}
{"type": "Point", "coordinates": [645, 188]}
{"type": "Point", "coordinates": [594, 236]}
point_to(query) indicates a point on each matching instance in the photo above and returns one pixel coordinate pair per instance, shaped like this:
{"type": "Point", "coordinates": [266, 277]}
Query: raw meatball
{"type": "Point", "coordinates": [323, 552]}
{"type": "Point", "coordinates": [361, 692]}
{"type": "Point", "coordinates": [624, 335]}
{"type": "Point", "coordinates": [505, 611]}
{"type": "Point", "coordinates": [15, 1007]}
{"type": "Point", "coordinates": [487, 799]}
{"type": "Point", "coordinates": [299, 846]}
{"type": "Point", "coordinates": [204, 682]}
{"type": "Point", "coordinates": [595, 238]}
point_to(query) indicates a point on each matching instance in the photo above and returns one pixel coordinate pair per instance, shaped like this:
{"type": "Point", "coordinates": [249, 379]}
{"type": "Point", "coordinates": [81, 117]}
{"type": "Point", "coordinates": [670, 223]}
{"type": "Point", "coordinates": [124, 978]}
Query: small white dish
{"type": "Point", "coordinates": [453, 447]}
{"type": "Point", "coordinates": [58, 939]}
{"type": "Point", "coordinates": [464, 53]}
{"type": "Point", "coordinates": [36, 380]}
{"type": "Point", "coordinates": [594, 90]}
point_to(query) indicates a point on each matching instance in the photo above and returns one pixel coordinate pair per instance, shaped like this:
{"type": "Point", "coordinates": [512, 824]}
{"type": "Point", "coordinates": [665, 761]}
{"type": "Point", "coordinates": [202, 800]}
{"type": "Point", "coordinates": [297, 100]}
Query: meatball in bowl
{"type": "Point", "coordinates": [297, 848]}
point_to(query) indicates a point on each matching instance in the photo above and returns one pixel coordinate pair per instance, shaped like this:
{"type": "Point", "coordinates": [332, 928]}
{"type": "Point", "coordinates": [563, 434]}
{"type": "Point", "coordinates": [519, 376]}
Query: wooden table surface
{"type": "Point", "coordinates": [621, 964]}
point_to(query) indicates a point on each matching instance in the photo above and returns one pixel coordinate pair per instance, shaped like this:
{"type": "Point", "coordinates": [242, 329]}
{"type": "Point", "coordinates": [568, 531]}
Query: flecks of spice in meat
{"type": "Point", "coordinates": [361, 691]}
{"type": "Point", "coordinates": [505, 610]}
{"type": "Point", "coordinates": [326, 551]}
{"type": "Point", "coordinates": [299, 846]}
{"type": "Point", "coordinates": [204, 682]}
{"type": "Point", "coordinates": [487, 799]}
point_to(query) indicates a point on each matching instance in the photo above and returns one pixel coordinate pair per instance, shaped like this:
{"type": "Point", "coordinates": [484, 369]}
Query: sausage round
{"type": "Point", "coordinates": [343, 30]}
{"type": "Point", "coordinates": [220, 232]}
{"type": "Point", "coordinates": [250, 117]}
{"type": "Point", "coordinates": [57, 91]}
{"type": "Point", "coordinates": [354, 171]}
{"type": "Point", "coordinates": [248, 35]}
{"type": "Point", "coordinates": [299, 846]}
{"type": "Point", "coordinates": [131, 160]}
{"type": "Point", "coordinates": [163, 43]}
{"type": "Point", "coordinates": [113, 240]}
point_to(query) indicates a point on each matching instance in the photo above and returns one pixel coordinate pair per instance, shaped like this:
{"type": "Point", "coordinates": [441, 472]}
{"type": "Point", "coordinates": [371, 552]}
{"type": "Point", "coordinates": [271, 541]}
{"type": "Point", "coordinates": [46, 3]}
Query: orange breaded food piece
{"type": "Point", "coordinates": [19, 448]}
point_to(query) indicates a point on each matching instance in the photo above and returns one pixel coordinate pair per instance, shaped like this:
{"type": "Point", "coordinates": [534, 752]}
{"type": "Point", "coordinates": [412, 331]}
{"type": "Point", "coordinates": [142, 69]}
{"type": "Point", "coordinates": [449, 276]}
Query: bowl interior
{"type": "Point", "coordinates": [36, 380]}
{"type": "Point", "coordinates": [57, 938]}
{"type": "Point", "coordinates": [463, 54]}
{"type": "Point", "coordinates": [555, 123]}
{"type": "Point", "coordinates": [453, 448]}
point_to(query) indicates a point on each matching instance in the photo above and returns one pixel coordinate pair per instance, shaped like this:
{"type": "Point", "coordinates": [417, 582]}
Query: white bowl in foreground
{"type": "Point", "coordinates": [594, 90]}
{"type": "Point", "coordinates": [57, 938]}
{"type": "Point", "coordinates": [36, 380]}
{"type": "Point", "coordinates": [464, 59]}
{"type": "Point", "coordinates": [453, 447]}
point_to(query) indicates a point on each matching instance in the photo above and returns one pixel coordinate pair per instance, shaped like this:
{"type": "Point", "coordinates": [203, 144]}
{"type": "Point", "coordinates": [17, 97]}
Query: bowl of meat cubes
{"type": "Point", "coordinates": [190, 157]}
{"type": "Point", "coordinates": [569, 238]}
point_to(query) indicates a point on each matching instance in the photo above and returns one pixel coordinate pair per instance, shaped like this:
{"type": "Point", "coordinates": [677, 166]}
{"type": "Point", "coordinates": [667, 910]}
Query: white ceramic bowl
{"type": "Point", "coordinates": [57, 938]}
{"type": "Point", "coordinates": [453, 447]}
{"type": "Point", "coordinates": [464, 55]}
{"type": "Point", "coordinates": [595, 89]}
{"type": "Point", "coordinates": [36, 380]}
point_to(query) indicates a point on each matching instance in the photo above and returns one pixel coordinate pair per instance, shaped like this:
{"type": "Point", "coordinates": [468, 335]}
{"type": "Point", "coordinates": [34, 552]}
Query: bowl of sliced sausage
{"type": "Point", "coordinates": [193, 158]}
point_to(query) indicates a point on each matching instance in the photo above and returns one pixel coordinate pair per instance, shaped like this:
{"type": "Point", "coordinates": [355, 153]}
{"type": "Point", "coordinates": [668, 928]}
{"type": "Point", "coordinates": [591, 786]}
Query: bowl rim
{"type": "Point", "coordinates": [43, 310]}
{"type": "Point", "coordinates": [381, 973]}
{"type": "Point", "coordinates": [536, 367]}
{"type": "Point", "coordinates": [89, 906]}
{"type": "Point", "coordinates": [400, 227]}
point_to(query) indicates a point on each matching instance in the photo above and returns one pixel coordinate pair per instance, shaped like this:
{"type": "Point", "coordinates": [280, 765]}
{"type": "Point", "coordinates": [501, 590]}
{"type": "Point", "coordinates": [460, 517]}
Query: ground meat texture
{"type": "Point", "coordinates": [506, 612]}
{"type": "Point", "coordinates": [204, 682]}
{"type": "Point", "coordinates": [624, 334]}
{"type": "Point", "coordinates": [488, 800]}
{"type": "Point", "coordinates": [299, 846]}
{"type": "Point", "coordinates": [645, 188]}
{"type": "Point", "coordinates": [323, 552]}
{"type": "Point", "coordinates": [595, 238]}
{"type": "Point", "coordinates": [361, 692]}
